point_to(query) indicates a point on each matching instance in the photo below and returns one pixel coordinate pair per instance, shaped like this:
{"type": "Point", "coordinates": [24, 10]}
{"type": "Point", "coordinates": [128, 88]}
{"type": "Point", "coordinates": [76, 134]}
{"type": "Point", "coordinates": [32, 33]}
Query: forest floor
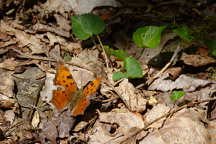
{"type": "Point", "coordinates": [56, 88]}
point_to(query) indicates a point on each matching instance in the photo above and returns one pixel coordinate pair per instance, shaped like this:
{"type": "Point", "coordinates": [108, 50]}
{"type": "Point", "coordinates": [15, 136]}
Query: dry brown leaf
{"type": "Point", "coordinates": [6, 102]}
{"type": "Point", "coordinates": [133, 100]}
{"type": "Point", "coordinates": [197, 60]}
{"type": "Point", "coordinates": [3, 45]}
{"type": "Point", "coordinates": [31, 73]}
{"type": "Point", "coordinates": [35, 120]}
{"type": "Point", "coordinates": [124, 120]}
{"type": "Point", "coordinates": [184, 127]}
{"type": "Point", "coordinates": [63, 22]}
{"type": "Point", "coordinates": [90, 59]}
{"type": "Point", "coordinates": [57, 6]}
{"type": "Point", "coordinates": [66, 122]}
{"type": "Point", "coordinates": [107, 90]}
{"type": "Point", "coordinates": [4, 36]}
{"type": "Point", "coordinates": [174, 72]}
{"type": "Point", "coordinates": [48, 131]}
{"type": "Point", "coordinates": [9, 116]}
{"type": "Point", "coordinates": [212, 131]}
{"type": "Point", "coordinates": [55, 53]}
{"type": "Point", "coordinates": [6, 83]}
{"type": "Point", "coordinates": [24, 39]}
{"type": "Point", "coordinates": [86, 6]}
{"type": "Point", "coordinates": [184, 82]}
{"type": "Point", "coordinates": [9, 64]}
{"type": "Point", "coordinates": [199, 95]}
{"type": "Point", "coordinates": [80, 126]}
{"type": "Point", "coordinates": [54, 29]}
{"type": "Point", "coordinates": [69, 46]}
{"type": "Point", "coordinates": [28, 89]}
{"type": "Point", "coordinates": [47, 91]}
{"type": "Point", "coordinates": [155, 113]}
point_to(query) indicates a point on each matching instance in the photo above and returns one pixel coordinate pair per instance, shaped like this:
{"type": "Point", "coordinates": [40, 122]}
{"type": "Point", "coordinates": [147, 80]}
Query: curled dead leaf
{"type": "Point", "coordinates": [197, 60]}
{"type": "Point", "coordinates": [133, 100]}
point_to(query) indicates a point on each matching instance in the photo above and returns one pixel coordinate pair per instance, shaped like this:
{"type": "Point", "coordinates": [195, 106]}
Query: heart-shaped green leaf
{"type": "Point", "coordinates": [85, 25]}
{"type": "Point", "coordinates": [132, 68]}
{"type": "Point", "coordinates": [148, 36]}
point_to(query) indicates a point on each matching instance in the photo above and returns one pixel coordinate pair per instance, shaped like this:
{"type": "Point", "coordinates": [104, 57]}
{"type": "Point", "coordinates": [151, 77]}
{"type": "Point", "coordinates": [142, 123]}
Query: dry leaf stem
{"type": "Point", "coordinates": [165, 67]}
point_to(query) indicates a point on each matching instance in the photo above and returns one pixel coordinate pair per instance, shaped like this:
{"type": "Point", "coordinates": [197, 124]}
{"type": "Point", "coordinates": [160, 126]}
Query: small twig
{"type": "Point", "coordinates": [166, 115]}
{"type": "Point", "coordinates": [165, 67]}
{"type": "Point", "coordinates": [9, 130]}
{"type": "Point", "coordinates": [105, 55]}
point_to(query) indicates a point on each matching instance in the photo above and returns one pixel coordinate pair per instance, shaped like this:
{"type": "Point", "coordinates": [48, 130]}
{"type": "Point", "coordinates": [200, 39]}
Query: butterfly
{"type": "Point", "coordinates": [68, 94]}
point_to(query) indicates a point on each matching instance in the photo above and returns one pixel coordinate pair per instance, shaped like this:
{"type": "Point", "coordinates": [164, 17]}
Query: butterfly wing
{"type": "Point", "coordinates": [67, 87]}
{"type": "Point", "coordinates": [83, 102]}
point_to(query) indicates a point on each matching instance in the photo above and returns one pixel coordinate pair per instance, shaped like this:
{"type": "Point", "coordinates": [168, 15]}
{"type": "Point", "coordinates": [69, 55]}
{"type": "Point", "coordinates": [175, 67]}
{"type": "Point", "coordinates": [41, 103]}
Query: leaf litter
{"type": "Point", "coordinates": [121, 112]}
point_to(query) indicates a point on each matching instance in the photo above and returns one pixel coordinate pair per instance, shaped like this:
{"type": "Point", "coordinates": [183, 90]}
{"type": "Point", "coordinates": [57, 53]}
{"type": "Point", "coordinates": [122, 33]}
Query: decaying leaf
{"type": "Point", "coordinates": [133, 100]}
{"type": "Point", "coordinates": [197, 60]}
{"type": "Point", "coordinates": [25, 39]}
{"type": "Point", "coordinates": [49, 131]}
{"type": "Point", "coordinates": [28, 90]}
{"type": "Point", "coordinates": [212, 131]}
{"type": "Point", "coordinates": [69, 46]}
{"type": "Point", "coordinates": [35, 120]}
{"type": "Point", "coordinates": [9, 116]}
{"type": "Point", "coordinates": [6, 83]}
{"type": "Point", "coordinates": [6, 102]}
{"type": "Point", "coordinates": [66, 122]}
{"type": "Point", "coordinates": [124, 121]}
{"type": "Point", "coordinates": [199, 95]}
{"type": "Point", "coordinates": [85, 6]}
{"type": "Point", "coordinates": [155, 113]}
{"type": "Point", "coordinates": [184, 127]}
{"type": "Point", "coordinates": [174, 72]}
{"type": "Point", "coordinates": [55, 5]}
{"type": "Point", "coordinates": [80, 126]}
{"type": "Point", "coordinates": [184, 82]}
{"type": "Point", "coordinates": [47, 91]}
{"type": "Point", "coordinates": [32, 73]}
{"type": "Point", "coordinates": [89, 59]}
{"type": "Point", "coordinates": [9, 64]}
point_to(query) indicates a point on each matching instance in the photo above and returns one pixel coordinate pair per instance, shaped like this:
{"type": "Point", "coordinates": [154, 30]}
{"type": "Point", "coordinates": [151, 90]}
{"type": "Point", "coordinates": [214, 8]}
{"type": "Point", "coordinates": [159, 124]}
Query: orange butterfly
{"type": "Point", "coordinates": [68, 94]}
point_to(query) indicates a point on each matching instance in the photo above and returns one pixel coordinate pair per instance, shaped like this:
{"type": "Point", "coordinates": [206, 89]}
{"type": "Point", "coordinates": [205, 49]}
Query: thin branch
{"type": "Point", "coordinates": [105, 55]}
{"type": "Point", "coordinates": [165, 67]}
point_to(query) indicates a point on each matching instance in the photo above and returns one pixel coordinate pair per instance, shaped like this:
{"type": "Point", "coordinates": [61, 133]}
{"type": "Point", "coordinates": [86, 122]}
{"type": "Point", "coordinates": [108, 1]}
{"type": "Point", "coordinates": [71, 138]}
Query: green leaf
{"type": "Point", "coordinates": [118, 76]}
{"type": "Point", "coordinates": [121, 54]}
{"type": "Point", "coordinates": [85, 25]}
{"type": "Point", "coordinates": [212, 47]}
{"type": "Point", "coordinates": [132, 68]}
{"type": "Point", "coordinates": [148, 36]}
{"type": "Point", "coordinates": [184, 33]}
{"type": "Point", "coordinates": [176, 95]}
